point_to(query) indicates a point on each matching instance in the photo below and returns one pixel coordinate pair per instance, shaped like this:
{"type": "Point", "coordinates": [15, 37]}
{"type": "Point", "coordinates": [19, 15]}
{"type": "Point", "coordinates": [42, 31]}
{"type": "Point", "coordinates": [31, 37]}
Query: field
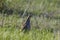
{"type": "Point", "coordinates": [15, 34]}
{"type": "Point", "coordinates": [45, 20]}
{"type": "Point", "coordinates": [11, 29]}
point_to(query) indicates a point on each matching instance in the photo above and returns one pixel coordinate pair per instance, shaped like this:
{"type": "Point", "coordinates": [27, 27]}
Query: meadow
{"type": "Point", "coordinates": [45, 22]}
{"type": "Point", "coordinates": [45, 29]}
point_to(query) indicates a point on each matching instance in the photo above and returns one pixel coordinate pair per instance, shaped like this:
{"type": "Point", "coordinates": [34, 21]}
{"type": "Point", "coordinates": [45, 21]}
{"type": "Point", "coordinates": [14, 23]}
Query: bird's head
{"type": "Point", "coordinates": [30, 15]}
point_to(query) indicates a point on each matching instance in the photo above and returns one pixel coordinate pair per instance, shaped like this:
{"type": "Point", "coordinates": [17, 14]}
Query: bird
{"type": "Point", "coordinates": [26, 25]}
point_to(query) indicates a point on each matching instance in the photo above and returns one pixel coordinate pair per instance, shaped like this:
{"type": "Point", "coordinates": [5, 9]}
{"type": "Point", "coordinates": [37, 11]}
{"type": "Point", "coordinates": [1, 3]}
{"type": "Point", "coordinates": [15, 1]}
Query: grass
{"type": "Point", "coordinates": [34, 6]}
{"type": "Point", "coordinates": [15, 34]}
{"type": "Point", "coordinates": [12, 25]}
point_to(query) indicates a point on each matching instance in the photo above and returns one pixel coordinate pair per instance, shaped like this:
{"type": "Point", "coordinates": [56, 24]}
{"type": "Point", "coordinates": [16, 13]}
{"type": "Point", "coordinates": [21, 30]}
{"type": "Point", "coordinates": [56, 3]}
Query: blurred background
{"type": "Point", "coordinates": [45, 14]}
